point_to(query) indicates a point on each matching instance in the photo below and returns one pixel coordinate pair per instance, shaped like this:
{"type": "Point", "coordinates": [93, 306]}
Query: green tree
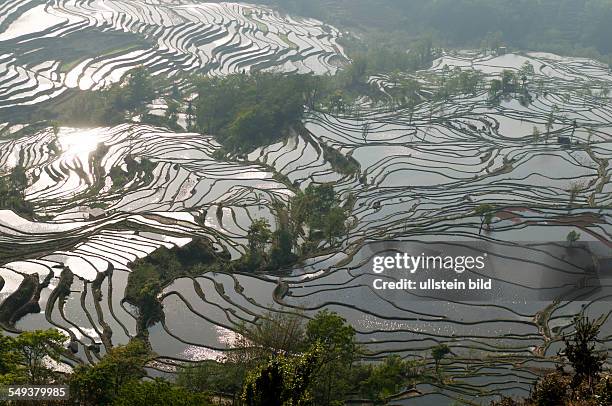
{"type": "Point", "coordinates": [150, 308]}
{"type": "Point", "coordinates": [385, 379]}
{"type": "Point", "coordinates": [19, 179]}
{"type": "Point", "coordinates": [317, 202]}
{"type": "Point", "coordinates": [337, 340]}
{"type": "Point", "coordinates": [438, 353]}
{"type": "Point", "coordinates": [508, 81]}
{"type": "Point", "coordinates": [99, 384]}
{"type": "Point", "coordinates": [274, 333]}
{"type": "Point", "coordinates": [365, 130]}
{"type": "Point", "coordinates": [572, 237]}
{"type": "Point", "coordinates": [282, 249]}
{"type": "Point", "coordinates": [549, 123]}
{"type": "Point", "coordinates": [140, 89]}
{"type": "Point", "coordinates": [246, 111]}
{"type": "Point", "coordinates": [171, 114]}
{"type": "Point", "coordinates": [485, 211]}
{"type": "Point", "coordinates": [35, 349]}
{"type": "Point", "coordinates": [251, 127]}
{"type": "Point", "coordinates": [55, 128]}
{"type": "Point", "coordinates": [283, 381]}
{"type": "Point", "coordinates": [536, 134]}
{"type": "Point", "coordinates": [336, 102]}
{"type": "Point", "coordinates": [574, 191]}
{"type": "Point", "coordinates": [527, 70]}
{"type": "Point", "coordinates": [335, 223]}
{"type": "Point", "coordinates": [158, 392]}
{"type": "Point", "coordinates": [355, 72]}
{"type": "Point", "coordinates": [319, 209]}
{"type": "Point", "coordinates": [494, 88]}
{"type": "Point", "coordinates": [581, 352]}
{"type": "Point", "coordinates": [176, 93]}
{"type": "Point", "coordinates": [226, 376]}
{"type": "Point", "coordinates": [258, 237]}
{"type": "Point", "coordinates": [552, 389]}
{"type": "Point", "coordinates": [9, 361]}
{"type": "Point", "coordinates": [12, 190]}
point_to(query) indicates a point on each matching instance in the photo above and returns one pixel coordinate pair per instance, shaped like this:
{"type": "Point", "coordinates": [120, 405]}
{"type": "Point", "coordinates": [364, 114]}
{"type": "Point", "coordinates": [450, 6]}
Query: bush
{"type": "Point", "coordinates": [246, 111]}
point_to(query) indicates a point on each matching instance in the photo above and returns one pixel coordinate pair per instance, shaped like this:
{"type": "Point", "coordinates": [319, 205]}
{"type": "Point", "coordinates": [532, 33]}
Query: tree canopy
{"type": "Point", "coordinates": [245, 111]}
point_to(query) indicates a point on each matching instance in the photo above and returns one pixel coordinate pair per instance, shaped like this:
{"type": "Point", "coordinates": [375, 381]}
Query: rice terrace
{"type": "Point", "coordinates": [177, 172]}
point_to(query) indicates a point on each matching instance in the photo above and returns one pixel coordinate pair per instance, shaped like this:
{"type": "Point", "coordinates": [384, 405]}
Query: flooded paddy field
{"type": "Point", "coordinates": [88, 45]}
{"type": "Point", "coordinates": [423, 172]}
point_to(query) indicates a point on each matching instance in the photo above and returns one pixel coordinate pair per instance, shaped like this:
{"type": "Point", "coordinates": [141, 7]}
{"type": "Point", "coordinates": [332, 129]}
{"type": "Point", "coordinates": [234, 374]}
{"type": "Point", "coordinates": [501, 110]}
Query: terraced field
{"type": "Point", "coordinates": [423, 172]}
{"type": "Point", "coordinates": [47, 47]}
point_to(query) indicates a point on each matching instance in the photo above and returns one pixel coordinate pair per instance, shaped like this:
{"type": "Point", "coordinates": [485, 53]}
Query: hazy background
{"type": "Point", "coordinates": [579, 27]}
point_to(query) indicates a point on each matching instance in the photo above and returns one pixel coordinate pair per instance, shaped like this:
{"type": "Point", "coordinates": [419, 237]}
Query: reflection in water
{"type": "Point", "coordinates": [78, 143]}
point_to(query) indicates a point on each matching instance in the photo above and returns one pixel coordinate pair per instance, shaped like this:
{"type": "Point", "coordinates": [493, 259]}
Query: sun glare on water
{"type": "Point", "coordinates": [78, 143]}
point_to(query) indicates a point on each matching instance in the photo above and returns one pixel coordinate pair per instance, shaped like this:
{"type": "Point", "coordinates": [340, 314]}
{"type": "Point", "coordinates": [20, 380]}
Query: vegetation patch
{"type": "Point", "coordinates": [341, 163]}
{"type": "Point", "coordinates": [246, 111]}
{"type": "Point", "coordinates": [287, 41]}
{"type": "Point", "coordinates": [150, 274]}
{"type": "Point", "coordinates": [12, 191]}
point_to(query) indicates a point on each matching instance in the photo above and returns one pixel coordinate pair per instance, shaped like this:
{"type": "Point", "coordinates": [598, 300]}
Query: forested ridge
{"type": "Point", "coordinates": [582, 27]}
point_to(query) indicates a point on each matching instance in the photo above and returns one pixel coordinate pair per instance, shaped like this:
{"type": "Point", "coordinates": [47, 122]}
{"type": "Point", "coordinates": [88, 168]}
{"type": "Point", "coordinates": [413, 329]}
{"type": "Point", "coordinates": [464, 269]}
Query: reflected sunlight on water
{"type": "Point", "coordinates": [79, 143]}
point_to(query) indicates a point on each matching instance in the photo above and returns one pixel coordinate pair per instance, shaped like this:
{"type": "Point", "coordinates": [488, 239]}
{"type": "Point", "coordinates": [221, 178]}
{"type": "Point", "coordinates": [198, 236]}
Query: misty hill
{"type": "Point", "coordinates": [566, 26]}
